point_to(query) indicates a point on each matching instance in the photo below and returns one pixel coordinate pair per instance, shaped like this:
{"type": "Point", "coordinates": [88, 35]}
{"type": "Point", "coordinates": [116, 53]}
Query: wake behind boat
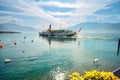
{"type": "Point", "coordinates": [50, 32]}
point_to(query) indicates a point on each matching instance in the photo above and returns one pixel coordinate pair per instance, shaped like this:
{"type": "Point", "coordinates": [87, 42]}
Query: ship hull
{"type": "Point", "coordinates": [58, 33]}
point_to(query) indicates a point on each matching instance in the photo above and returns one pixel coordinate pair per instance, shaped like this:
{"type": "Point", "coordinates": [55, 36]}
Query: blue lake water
{"type": "Point", "coordinates": [54, 58]}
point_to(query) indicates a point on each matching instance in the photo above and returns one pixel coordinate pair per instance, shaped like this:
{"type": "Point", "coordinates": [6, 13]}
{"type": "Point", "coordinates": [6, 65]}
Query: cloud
{"type": "Point", "coordinates": [28, 10]}
{"type": "Point", "coordinates": [82, 9]}
{"type": "Point", "coordinates": [79, 11]}
{"type": "Point", "coordinates": [9, 19]}
{"type": "Point", "coordinates": [60, 4]}
{"type": "Point", "coordinates": [60, 13]}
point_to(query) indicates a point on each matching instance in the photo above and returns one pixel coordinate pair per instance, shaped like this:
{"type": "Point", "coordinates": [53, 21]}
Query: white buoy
{"type": "Point", "coordinates": [95, 59]}
{"type": "Point", "coordinates": [7, 60]}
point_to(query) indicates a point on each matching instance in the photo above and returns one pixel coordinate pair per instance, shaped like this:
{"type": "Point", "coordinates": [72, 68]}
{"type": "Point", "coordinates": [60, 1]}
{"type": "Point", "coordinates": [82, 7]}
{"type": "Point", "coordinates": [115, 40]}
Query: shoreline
{"type": "Point", "coordinates": [8, 32]}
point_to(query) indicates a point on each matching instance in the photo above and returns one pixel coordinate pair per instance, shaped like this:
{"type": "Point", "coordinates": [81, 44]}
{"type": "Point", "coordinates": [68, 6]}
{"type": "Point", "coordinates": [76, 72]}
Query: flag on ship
{"type": "Point", "coordinates": [79, 30]}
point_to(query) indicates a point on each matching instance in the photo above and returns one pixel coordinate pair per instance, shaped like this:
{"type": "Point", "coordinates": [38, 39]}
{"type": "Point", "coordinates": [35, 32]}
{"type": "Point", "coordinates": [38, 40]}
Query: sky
{"type": "Point", "coordinates": [59, 13]}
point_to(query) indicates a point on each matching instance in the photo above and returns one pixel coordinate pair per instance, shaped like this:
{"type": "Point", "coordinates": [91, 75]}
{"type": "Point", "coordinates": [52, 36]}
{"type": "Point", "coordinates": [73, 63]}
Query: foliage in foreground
{"type": "Point", "coordinates": [93, 75]}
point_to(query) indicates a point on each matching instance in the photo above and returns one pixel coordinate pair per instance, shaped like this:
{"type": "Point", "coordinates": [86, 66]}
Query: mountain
{"type": "Point", "coordinates": [15, 28]}
{"type": "Point", "coordinates": [92, 27]}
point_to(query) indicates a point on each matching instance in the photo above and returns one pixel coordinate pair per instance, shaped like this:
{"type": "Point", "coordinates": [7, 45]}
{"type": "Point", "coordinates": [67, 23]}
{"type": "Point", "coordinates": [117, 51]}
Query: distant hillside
{"type": "Point", "coordinates": [98, 27]}
{"type": "Point", "coordinates": [15, 28]}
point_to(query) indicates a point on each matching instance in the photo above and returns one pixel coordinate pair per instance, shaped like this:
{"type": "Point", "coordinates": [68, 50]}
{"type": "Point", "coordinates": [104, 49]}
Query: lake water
{"type": "Point", "coordinates": [54, 58]}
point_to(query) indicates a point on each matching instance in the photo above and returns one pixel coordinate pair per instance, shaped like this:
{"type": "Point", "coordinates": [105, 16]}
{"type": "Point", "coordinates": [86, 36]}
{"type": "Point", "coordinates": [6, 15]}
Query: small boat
{"type": "Point", "coordinates": [50, 32]}
{"type": "Point", "coordinates": [7, 60]}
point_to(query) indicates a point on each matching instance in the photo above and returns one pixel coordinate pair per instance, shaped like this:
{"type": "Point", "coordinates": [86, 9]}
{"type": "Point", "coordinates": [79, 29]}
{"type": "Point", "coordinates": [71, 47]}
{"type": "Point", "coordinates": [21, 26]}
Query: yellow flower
{"type": "Point", "coordinates": [75, 76]}
{"type": "Point", "coordinates": [93, 75]}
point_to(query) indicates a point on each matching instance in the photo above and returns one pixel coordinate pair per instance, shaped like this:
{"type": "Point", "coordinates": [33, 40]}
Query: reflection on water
{"type": "Point", "coordinates": [59, 74]}
{"type": "Point", "coordinates": [59, 39]}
